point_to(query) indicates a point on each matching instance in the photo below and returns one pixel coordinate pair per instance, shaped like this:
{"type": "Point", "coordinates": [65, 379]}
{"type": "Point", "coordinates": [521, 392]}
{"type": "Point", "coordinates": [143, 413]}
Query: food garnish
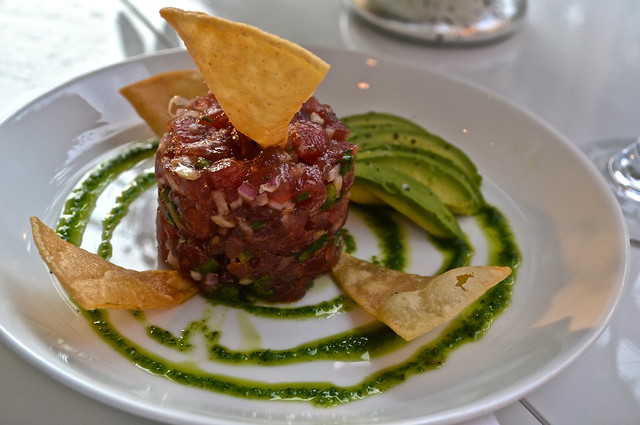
{"type": "Point", "coordinates": [259, 79]}
{"type": "Point", "coordinates": [411, 304]}
{"type": "Point", "coordinates": [150, 97]}
{"type": "Point", "coordinates": [97, 283]}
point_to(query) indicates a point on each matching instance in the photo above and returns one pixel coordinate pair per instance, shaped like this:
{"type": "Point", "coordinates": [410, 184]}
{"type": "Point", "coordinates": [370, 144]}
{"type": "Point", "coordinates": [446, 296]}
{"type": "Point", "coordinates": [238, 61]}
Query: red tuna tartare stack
{"type": "Point", "coordinates": [245, 221]}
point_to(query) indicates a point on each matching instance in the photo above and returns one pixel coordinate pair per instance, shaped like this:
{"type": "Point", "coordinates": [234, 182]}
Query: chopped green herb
{"type": "Point", "coordinates": [206, 118]}
{"type": "Point", "coordinates": [228, 293]}
{"type": "Point", "coordinates": [245, 256]}
{"type": "Point", "coordinates": [261, 287]}
{"type": "Point", "coordinates": [331, 198]}
{"type": "Point", "coordinates": [315, 246]}
{"type": "Point", "coordinates": [173, 216]}
{"type": "Point", "coordinates": [256, 225]}
{"type": "Point", "coordinates": [302, 196]}
{"type": "Point", "coordinates": [211, 265]}
{"type": "Point", "coordinates": [203, 163]}
{"type": "Point", "coordinates": [346, 161]}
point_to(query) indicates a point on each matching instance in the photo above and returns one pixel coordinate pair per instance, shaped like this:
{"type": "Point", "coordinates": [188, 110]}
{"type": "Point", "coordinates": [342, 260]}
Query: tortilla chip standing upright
{"type": "Point", "coordinates": [259, 79]}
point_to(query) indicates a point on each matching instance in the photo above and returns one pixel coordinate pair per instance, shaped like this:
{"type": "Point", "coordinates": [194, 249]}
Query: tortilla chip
{"type": "Point", "coordinates": [96, 283]}
{"type": "Point", "coordinates": [259, 79]}
{"type": "Point", "coordinates": [150, 97]}
{"type": "Point", "coordinates": [411, 304]}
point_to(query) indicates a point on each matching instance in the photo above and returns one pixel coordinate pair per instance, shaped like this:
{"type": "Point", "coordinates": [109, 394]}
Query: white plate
{"type": "Point", "coordinates": [566, 222]}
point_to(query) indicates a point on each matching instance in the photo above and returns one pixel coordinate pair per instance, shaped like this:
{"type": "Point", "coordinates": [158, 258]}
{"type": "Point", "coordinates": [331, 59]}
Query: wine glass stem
{"type": "Point", "coordinates": [624, 169]}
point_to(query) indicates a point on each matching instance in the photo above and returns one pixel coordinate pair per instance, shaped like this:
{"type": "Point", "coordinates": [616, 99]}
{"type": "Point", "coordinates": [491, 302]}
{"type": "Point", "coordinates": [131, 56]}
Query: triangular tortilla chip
{"type": "Point", "coordinates": [259, 79]}
{"type": "Point", "coordinates": [96, 283]}
{"type": "Point", "coordinates": [150, 97]}
{"type": "Point", "coordinates": [410, 304]}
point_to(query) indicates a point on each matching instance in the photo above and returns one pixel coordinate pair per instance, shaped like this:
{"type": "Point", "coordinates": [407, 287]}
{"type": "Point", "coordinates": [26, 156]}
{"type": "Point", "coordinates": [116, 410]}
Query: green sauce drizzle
{"type": "Point", "coordinates": [349, 241]}
{"type": "Point", "coordinates": [391, 240]}
{"type": "Point", "coordinates": [121, 208]}
{"type": "Point", "coordinates": [456, 252]}
{"type": "Point", "coordinates": [365, 342]}
{"type": "Point", "coordinates": [391, 236]}
{"type": "Point", "coordinates": [325, 309]}
{"type": "Point", "coordinates": [82, 200]}
{"type": "Point", "coordinates": [359, 344]}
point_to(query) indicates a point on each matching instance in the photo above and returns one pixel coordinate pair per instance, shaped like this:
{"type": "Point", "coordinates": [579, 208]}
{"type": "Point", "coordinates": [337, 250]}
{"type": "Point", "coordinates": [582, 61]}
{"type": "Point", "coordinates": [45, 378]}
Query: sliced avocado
{"type": "Point", "coordinates": [378, 120]}
{"type": "Point", "coordinates": [409, 197]}
{"type": "Point", "coordinates": [361, 195]}
{"type": "Point", "coordinates": [440, 174]}
{"type": "Point", "coordinates": [417, 137]}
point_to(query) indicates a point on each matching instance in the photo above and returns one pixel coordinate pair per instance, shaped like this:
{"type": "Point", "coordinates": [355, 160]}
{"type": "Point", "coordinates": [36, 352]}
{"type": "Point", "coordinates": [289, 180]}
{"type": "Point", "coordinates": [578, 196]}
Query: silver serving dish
{"type": "Point", "coordinates": [444, 21]}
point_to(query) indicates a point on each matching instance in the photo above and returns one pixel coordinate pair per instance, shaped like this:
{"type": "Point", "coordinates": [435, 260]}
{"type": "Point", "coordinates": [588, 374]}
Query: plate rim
{"type": "Point", "coordinates": [473, 409]}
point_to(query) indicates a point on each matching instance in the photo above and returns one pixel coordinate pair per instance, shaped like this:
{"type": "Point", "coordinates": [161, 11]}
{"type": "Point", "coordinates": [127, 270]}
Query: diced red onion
{"type": "Point", "coordinates": [330, 132]}
{"type": "Point", "coordinates": [188, 113]}
{"type": "Point", "coordinates": [236, 204]}
{"type": "Point", "coordinates": [337, 182]}
{"type": "Point", "coordinates": [177, 102]}
{"type": "Point", "coordinates": [276, 205]}
{"type": "Point", "coordinates": [271, 185]}
{"type": "Point", "coordinates": [260, 200]}
{"type": "Point", "coordinates": [211, 279]}
{"type": "Point", "coordinates": [223, 209]}
{"type": "Point", "coordinates": [221, 202]}
{"type": "Point", "coordinates": [223, 222]}
{"type": "Point", "coordinates": [172, 260]}
{"type": "Point", "coordinates": [247, 192]}
{"type": "Point", "coordinates": [333, 173]}
{"type": "Point", "coordinates": [182, 166]}
{"type": "Point", "coordinates": [242, 224]}
{"type": "Point", "coordinates": [316, 118]}
{"type": "Point", "coordinates": [286, 206]}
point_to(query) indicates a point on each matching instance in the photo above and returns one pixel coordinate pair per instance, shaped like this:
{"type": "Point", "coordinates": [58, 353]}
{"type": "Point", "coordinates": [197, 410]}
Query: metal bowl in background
{"type": "Point", "coordinates": [444, 21]}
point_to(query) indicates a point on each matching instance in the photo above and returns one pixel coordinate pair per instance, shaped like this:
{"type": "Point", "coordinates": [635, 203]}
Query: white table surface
{"type": "Point", "coordinates": [575, 64]}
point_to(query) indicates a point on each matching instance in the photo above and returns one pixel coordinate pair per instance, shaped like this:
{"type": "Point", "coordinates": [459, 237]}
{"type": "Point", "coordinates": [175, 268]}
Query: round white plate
{"type": "Point", "coordinates": [569, 229]}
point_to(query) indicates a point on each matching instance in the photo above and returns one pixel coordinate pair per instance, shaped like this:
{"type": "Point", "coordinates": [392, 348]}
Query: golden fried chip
{"type": "Point", "coordinates": [259, 79]}
{"type": "Point", "coordinates": [410, 304]}
{"type": "Point", "coordinates": [150, 97]}
{"type": "Point", "coordinates": [96, 283]}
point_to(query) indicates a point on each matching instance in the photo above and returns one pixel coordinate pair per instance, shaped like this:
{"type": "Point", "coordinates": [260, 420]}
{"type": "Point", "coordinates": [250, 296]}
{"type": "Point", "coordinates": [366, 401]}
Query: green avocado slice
{"type": "Point", "coordinates": [378, 120]}
{"type": "Point", "coordinates": [409, 197]}
{"type": "Point", "coordinates": [377, 128]}
{"type": "Point", "coordinates": [440, 174]}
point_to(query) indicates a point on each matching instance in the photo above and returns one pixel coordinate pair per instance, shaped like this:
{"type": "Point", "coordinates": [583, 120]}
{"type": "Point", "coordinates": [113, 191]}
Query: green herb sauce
{"type": "Point", "coordinates": [84, 196]}
{"type": "Point", "coordinates": [390, 234]}
{"type": "Point", "coordinates": [134, 189]}
{"type": "Point", "coordinates": [359, 344]}
{"type": "Point", "coordinates": [366, 342]}
{"type": "Point", "coordinates": [391, 240]}
{"type": "Point", "coordinates": [456, 252]}
{"type": "Point", "coordinates": [325, 309]}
